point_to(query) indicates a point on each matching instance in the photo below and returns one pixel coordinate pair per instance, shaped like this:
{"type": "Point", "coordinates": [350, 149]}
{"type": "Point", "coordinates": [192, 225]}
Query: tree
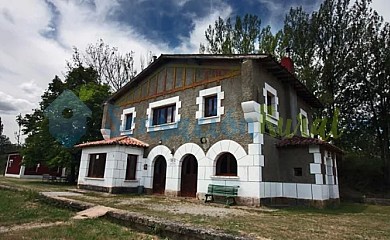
{"type": "Point", "coordinates": [40, 145]}
{"type": "Point", "coordinates": [112, 67]}
{"type": "Point", "coordinates": [4, 140]}
{"type": "Point", "coordinates": [223, 38]}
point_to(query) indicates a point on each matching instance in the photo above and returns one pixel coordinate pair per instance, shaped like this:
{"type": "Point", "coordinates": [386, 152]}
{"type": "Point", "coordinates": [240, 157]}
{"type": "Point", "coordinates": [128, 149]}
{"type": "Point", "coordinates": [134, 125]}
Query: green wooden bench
{"type": "Point", "coordinates": [229, 192]}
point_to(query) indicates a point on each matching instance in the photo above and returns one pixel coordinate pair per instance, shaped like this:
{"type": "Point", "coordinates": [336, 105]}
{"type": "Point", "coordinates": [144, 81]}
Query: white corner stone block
{"type": "Point", "coordinates": [258, 138]}
{"type": "Point", "coordinates": [315, 168]}
{"type": "Point", "coordinates": [317, 157]}
{"type": "Point", "coordinates": [319, 179]}
{"type": "Point", "coordinates": [254, 149]}
{"type": "Point", "coordinates": [314, 149]}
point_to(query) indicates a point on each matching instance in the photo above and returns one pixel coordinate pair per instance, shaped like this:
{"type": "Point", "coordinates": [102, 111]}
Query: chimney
{"type": "Point", "coordinates": [154, 58]}
{"type": "Point", "coordinates": [287, 63]}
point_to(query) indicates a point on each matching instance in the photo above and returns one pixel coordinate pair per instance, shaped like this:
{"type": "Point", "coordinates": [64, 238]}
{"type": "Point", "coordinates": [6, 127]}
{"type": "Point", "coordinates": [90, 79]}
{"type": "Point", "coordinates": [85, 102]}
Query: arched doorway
{"type": "Point", "coordinates": [159, 175]}
{"type": "Point", "coordinates": [189, 176]}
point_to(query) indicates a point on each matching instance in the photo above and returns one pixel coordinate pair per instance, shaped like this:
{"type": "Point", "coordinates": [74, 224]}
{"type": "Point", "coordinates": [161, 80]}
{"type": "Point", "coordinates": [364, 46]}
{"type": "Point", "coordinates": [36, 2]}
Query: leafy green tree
{"type": "Point", "coordinates": [40, 145]}
{"type": "Point", "coordinates": [4, 140]}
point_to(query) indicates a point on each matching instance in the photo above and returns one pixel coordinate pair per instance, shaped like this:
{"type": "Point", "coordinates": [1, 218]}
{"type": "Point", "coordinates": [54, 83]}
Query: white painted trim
{"type": "Point", "coordinates": [273, 117]}
{"type": "Point", "coordinates": [299, 190]}
{"type": "Point", "coordinates": [201, 105]}
{"type": "Point", "coordinates": [304, 132]}
{"type": "Point", "coordinates": [123, 121]}
{"type": "Point", "coordinates": [164, 102]}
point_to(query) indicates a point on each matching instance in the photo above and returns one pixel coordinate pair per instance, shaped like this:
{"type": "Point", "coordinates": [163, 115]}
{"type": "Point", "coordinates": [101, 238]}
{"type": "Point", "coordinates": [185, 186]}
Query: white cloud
{"type": "Point", "coordinates": [10, 105]}
{"type": "Point", "coordinates": [31, 88]}
{"type": "Point", "coordinates": [29, 60]}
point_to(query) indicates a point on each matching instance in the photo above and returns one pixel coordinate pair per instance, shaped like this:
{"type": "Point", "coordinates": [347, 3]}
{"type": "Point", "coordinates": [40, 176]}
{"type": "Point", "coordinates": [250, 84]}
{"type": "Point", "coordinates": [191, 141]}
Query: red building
{"type": "Point", "coordinates": [15, 168]}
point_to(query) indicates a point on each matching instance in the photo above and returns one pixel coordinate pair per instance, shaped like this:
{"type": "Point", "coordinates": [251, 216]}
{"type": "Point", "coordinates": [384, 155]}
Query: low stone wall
{"type": "Point", "coordinates": [113, 190]}
{"type": "Point", "coordinates": [377, 201]}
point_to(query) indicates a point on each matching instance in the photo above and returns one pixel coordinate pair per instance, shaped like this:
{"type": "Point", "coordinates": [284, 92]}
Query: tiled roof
{"type": "Point", "coordinates": [305, 141]}
{"type": "Point", "coordinates": [122, 140]}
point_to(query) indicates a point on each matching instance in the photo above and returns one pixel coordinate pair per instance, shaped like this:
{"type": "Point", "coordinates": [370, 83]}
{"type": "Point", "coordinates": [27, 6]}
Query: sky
{"type": "Point", "coordinates": [37, 36]}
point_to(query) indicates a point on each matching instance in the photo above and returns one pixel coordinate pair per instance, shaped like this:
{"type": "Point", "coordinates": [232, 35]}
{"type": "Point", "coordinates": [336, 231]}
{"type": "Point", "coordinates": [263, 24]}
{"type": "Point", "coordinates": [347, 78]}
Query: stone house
{"type": "Point", "coordinates": [188, 121]}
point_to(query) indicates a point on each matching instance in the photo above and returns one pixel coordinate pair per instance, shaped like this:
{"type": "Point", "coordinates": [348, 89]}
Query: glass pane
{"type": "Point", "coordinates": [129, 121]}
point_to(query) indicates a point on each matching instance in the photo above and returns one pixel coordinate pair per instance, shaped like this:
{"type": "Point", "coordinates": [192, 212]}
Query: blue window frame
{"type": "Point", "coordinates": [163, 115]}
{"type": "Point", "coordinates": [129, 121]}
{"type": "Point", "coordinates": [210, 106]}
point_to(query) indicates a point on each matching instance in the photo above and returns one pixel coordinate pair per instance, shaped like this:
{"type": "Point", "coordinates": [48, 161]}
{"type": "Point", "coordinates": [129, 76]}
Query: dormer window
{"type": "Point", "coordinates": [271, 101]}
{"type": "Point", "coordinates": [209, 104]}
{"type": "Point", "coordinates": [127, 121]}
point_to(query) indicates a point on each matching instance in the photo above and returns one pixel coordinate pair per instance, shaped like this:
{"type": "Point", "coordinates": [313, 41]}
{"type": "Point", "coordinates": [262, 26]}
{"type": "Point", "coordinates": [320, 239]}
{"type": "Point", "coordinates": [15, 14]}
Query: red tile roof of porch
{"type": "Point", "coordinates": [305, 141]}
{"type": "Point", "coordinates": [122, 140]}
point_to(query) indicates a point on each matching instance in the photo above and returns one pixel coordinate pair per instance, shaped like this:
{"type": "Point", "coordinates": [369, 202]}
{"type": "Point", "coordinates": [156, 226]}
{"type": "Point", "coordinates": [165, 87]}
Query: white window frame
{"type": "Point", "coordinates": [199, 115]}
{"type": "Point", "coordinates": [161, 103]}
{"type": "Point", "coordinates": [123, 121]}
{"type": "Point", "coordinates": [273, 117]}
{"type": "Point", "coordinates": [304, 132]}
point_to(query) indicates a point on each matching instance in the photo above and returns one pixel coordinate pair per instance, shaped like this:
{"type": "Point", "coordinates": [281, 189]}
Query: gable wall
{"type": "Point", "coordinates": [232, 125]}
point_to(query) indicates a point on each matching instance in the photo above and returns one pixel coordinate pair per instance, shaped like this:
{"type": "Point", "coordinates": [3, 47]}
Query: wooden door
{"type": "Point", "coordinates": [159, 176]}
{"type": "Point", "coordinates": [189, 176]}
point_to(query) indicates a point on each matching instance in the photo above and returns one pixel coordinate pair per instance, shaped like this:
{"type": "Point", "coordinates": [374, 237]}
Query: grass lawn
{"type": "Point", "coordinates": [348, 221]}
{"type": "Point", "coordinates": [89, 229]}
{"type": "Point", "coordinates": [18, 208]}
{"type": "Point", "coordinates": [35, 184]}
{"type": "Point", "coordinates": [24, 207]}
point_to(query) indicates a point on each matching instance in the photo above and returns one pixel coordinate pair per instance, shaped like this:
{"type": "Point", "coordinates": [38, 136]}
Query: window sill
{"type": "Point", "coordinates": [127, 132]}
{"type": "Point", "coordinates": [208, 120]}
{"type": "Point", "coordinates": [131, 180]}
{"type": "Point", "coordinates": [92, 178]}
{"type": "Point", "coordinates": [162, 127]}
{"type": "Point", "coordinates": [225, 177]}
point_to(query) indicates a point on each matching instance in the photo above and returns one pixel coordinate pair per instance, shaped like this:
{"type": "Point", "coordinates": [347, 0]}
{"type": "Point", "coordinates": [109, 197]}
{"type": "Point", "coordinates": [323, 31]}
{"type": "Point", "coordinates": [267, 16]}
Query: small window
{"type": "Point", "coordinates": [129, 121]}
{"type": "Point", "coordinates": [163, 115]}
{"type": "Point", "coordinates": [97, 165]}
{"type": "Point", "coordinates": [131, 166]}
{"type": "Point", "coordinates": [298, 172]}
{"type": "Point", "coordinates": [226, 165]}
{"type": "Point", "coordinates": [304, 123]}
{"type": "Point", "coordinates": [210, 106]}
{"type": "Point", "coordinates": [271, 107]}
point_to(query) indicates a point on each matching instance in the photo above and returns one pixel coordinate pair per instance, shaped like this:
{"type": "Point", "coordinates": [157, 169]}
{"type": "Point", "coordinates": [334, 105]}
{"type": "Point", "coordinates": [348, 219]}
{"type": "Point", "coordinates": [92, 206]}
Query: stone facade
{"type": "Point", "coordinates": [243, 86]}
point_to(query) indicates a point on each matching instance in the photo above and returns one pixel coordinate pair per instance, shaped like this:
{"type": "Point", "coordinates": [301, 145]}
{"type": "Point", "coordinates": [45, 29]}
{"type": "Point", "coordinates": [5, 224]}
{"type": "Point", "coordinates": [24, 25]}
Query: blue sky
{"type": "Point", "coordinates": [37, 36]}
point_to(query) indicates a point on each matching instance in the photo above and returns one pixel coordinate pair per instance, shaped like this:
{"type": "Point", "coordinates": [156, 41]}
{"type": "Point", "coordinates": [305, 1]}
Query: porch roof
{"type": "Point", "coordinates": [306, 141]}
{"type": "Point", "coordinates": [122, 140]}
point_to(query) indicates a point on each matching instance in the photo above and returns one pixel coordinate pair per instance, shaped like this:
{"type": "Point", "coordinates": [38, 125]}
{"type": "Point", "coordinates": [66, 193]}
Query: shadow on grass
{"type": "Point", "coordinates": [343, 208]}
